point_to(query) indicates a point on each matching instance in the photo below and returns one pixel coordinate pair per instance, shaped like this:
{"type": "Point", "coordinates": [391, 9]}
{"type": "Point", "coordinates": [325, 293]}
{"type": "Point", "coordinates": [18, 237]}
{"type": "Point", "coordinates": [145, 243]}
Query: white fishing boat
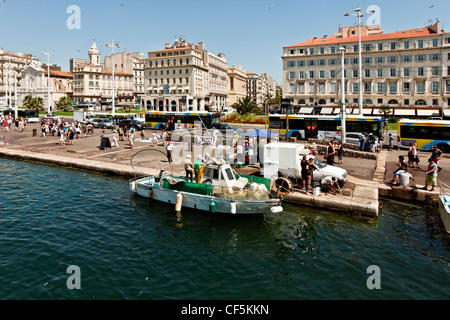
{"type": "Point", "coordinates": [444, 205]}
{"type": "Point", "coordinates": [220, 190]}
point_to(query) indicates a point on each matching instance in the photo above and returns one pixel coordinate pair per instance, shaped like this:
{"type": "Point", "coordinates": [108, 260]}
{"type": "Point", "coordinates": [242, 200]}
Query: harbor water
{"type": "Point", "coordinates": [128, 247]}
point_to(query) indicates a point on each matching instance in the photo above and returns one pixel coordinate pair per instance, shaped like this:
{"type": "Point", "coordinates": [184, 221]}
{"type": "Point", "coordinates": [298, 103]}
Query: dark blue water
{"type": "Point", "coordinates": [129, 248]}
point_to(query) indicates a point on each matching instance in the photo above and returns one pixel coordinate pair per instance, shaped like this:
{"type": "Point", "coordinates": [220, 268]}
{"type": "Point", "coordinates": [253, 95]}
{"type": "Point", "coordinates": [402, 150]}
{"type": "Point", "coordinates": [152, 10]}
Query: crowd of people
{"type": "Point", "coordinates": [401, 176]}
{"type": "Point", "coordinates": [6, 121]}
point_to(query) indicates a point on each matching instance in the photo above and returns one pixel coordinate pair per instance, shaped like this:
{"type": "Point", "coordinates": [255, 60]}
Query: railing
{"type": "Point", "coordinates": [445, 189]}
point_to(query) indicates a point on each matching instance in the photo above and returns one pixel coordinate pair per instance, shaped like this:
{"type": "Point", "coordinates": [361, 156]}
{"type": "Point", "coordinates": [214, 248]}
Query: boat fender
{"type": "Point", "coordinates": [212, 206]}
{"type": "Point", "coordinates": [150, 192]}
{"type": "Point", "coordinates": [233, 207]}
{"type": "Point", "coordinates": [179, 202]}
{"type": "Point", "coordinates": [276, 209]}
{"type": "Point", "coordinates": [133, 186]}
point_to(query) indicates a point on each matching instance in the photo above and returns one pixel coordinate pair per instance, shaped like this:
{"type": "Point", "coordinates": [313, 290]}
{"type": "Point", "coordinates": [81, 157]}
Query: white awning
{"type": "Point", "coordinates": [428, 113]}
{"type": "Point", "coordinates": [367, 111]}
{"type": "Point", "coordinates": [306, 110]}
{"type": "Point", "coordinates": [337, 111]}
{"type": "Point", "coordinates": [326, 111]}
{"type": "Point", "coordinates": [446, 113]}
{"type": "Point", "coordinates": [401, 112]}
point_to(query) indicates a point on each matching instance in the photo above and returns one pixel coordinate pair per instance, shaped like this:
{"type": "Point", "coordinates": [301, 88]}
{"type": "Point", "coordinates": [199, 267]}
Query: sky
{"type": "Point", "coordinates": [251, 33]}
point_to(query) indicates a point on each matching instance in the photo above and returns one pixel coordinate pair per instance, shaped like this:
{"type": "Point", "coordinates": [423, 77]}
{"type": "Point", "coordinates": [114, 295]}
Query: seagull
{"type": "Point", "coordinates": [271, 6]}
{"type": "Point", "coordinates": [122, 5]}
{"type": "Point", "coordinates": [432, 6]}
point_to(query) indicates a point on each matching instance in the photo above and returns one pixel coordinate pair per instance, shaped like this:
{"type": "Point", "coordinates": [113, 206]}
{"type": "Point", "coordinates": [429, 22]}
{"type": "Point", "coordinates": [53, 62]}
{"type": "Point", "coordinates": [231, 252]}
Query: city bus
{"type": "Point", "coordinates": [324, 127]}
{"type": "Point", "coordinates": [180, 120]}
{"type": "Point", "coordinates": [32, 115]}
{"type": "Point", "coordinates": [426, 133]}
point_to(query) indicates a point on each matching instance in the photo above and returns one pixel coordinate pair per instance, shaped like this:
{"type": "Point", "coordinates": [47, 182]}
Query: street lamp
{"type": "Point", "coordinates": [359, 13]}
{"type": "Point", "coordinates": [48, 54]}
{"type": "Point", "coordinates": [343, 120]}
{"type": "Point", "coordinates": [113, 45]}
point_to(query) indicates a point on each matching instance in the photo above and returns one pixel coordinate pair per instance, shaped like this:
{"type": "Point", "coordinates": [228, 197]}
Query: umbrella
{"type": "Point", "coordinates": [258, 133]}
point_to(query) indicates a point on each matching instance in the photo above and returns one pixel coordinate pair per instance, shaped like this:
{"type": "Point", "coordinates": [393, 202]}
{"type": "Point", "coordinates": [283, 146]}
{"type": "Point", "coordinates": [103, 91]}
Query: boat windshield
{"type": "Point", "coordinates": [229, 173]}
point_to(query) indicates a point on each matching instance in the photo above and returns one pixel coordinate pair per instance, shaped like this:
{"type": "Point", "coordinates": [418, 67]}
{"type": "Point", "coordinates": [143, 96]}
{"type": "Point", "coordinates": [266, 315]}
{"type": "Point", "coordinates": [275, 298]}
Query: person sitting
{"type": "Point", "coordinates": [402, 168]}
{"type": "Point", "coordinates": [334, 186]}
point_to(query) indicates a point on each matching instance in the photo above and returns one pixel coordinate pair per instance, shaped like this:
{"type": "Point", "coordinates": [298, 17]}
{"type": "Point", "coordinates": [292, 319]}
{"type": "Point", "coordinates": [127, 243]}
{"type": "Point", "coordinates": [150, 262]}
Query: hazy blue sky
{"type": "Point", "coordinates": [250, 33]}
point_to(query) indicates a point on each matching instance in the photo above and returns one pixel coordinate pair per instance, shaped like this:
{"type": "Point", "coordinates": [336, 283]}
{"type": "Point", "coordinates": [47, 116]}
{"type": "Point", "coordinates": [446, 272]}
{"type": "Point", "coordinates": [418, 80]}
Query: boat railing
{"type": "Point", "coordinates": [445, 189]}
{"type": "Point", "coordinates": [243, 194]}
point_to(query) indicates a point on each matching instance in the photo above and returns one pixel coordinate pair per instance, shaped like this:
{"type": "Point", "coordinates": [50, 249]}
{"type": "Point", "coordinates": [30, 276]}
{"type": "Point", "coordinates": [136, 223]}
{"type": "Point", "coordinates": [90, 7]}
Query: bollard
{"type": "Point", "coordinates": [34, 132]}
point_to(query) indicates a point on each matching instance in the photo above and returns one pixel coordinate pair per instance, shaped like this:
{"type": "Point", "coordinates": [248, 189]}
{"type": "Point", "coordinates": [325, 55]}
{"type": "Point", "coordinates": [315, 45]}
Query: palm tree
{"type": "Point", "coordinates": [37, 103]}
{"type": "Point", "coordinates": [65, 103]}
{"type": "Point", "coordinates": [27, 101]}
{"type": "Point", "coordinates": [385, 110]}
{"type": "Point", "coordinates": [246, 106]}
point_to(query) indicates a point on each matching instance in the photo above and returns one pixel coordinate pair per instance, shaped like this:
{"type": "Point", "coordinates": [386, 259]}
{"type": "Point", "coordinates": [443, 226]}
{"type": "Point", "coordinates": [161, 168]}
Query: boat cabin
{"type": "Point", "coordinates": [222, 176]}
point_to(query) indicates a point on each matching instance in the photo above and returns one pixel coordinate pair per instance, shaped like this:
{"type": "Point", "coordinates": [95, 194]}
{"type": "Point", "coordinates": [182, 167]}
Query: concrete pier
{"type": "Point", "coordinates": [367, 177]}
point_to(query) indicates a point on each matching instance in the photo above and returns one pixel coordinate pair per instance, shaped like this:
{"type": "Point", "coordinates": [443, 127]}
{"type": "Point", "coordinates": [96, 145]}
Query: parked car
{"type": "Point", "coordinates": [354, 137]}
{"type": "Point", "coordinates": [131, 123]}
{"type": "Point", "coordinates": [53, 117]}
{"type": "Point", "coordinates": [223, 127]}
{"type": "Point", "coordinates": [102, 123]}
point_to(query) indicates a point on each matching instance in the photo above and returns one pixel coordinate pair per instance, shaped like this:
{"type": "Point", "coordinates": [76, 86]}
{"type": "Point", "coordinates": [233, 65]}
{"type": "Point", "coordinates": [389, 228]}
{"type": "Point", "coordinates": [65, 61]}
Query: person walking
{"type": "Point", "coordinates": [330, 153]}
{"type": "Point", "coordinates": [340, 152]}
{"type": "Point", "coordinates": [61, 137]}
{"type": "Point", "coordinates": [436, 155]}
{"type": "Point", "coordinates": [169, 151]}
{"type": "Point", "coordinates": [131, 138]}
{"type": "Point", "coordinates": [362, 142]}
{"type": "Point", "coordinates": [416, 156]}
{"type": "Point", "coordinates": [391, 142]}
{"type": "Point", "coordinates": [305, 174]}
{"type": "Point", "coordinates": [431, 175]}
{"type": "Point", "coordinates": [164, 137]}
{"type": "Point", "coordinates": [411, 155]}
{"type": "Point", "coordinates": [114, 138]}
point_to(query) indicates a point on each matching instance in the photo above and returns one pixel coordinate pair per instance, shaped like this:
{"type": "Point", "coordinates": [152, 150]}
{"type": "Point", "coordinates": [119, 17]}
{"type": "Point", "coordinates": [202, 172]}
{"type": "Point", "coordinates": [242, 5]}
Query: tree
{"type": "Point", "coordinates": [247, 105]}
{"type": "Point", "coordinates": [65, 103]}
{"type": "Point", "coordinates": [27, 101]}
{"type": "Point", "coordinates": [385, 110]}
{"type": "Point", "coordinates": [276, 100]}
{"type": "Point", "coordinates": [37, 103]}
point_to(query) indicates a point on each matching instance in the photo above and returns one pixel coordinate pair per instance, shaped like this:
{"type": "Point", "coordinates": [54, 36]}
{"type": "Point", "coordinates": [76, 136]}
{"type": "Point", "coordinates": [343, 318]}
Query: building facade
{"type": "Point", "coordinates": [93, 85]}
{"type": "Point", "coordinates": [401, 69]}
{"type": "Point", "coordinates": [237, 84]}
{"type": "Point", "coordinates": [217, 98]}
{"type": "Point", "coordinates": [11, 67]}
{"type": "Point", "coordinates": [176, 77]}
{"type": "Point", "coordinates": [130, 63]}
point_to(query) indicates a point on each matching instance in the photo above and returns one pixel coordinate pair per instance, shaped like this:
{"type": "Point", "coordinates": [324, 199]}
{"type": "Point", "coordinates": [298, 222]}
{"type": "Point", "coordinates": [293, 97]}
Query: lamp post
{"type": "Point", "coordinates": [113, 45]}
{"type": "Point", "coordinates": [343, 117]}
{"type": "Point", "coordinates": [359, 13]}
{"type": "Point", "coordinates": [48, 54]}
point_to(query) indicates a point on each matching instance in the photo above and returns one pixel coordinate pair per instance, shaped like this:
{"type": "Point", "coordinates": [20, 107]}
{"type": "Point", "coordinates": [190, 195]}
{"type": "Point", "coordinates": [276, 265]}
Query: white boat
{"type": "Point", "coordinates": [221, 191]}
{"type": "Point", "coordinates": [444, 205]}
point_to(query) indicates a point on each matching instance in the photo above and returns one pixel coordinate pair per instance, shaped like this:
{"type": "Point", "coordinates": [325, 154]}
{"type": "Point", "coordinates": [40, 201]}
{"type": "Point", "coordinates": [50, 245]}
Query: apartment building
{"type": "Point", "coordinates": [401, 69]}
{"type": "Point", "coordinates": [217, 98]}
{"type": "Point", "coordinates": [177, 77]}
{"type": "Point", "coordinates": [237, 84]}
{"type": "Point", "coordinates": [11, 67]}
{"type": "Point", "coordinates": [260, 88]}
{"type": "Point", "coordinates": [93, 85]}
{"type": "Point", "coordinates": [130, 63]}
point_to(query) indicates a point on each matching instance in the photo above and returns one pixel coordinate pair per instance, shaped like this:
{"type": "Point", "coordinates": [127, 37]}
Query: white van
{"type": "Point", "coordinates": [288, 156]}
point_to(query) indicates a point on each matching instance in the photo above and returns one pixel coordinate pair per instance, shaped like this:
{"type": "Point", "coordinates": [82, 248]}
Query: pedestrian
{"type": "Point", "coordinates": [391, 142]}
{"type": "Point", "coordinates": [71, 133]}
{"type": "Point", "coordinates": [330, 153]}
{"type": "Point", "coordinates": [340, 152]}
{"type": "Point", "coordinates": [61, 137]}
{"type": "Point", "coordinates": [402, 168]}
{"type": "Point", "coordinates": [43, 129]}
{"type": "Point", "coordinates": [431, 175]}
{"type": "Point", "coordinates": [121, 134]}
{"type": "Point", "coordinates": [311, 174]}
{"type": "Point", "coordinates": [362, 142]}
{"type": "Point", "coordinates": [436, 155]}
{"type": "Point", "coordinates": [189, 169]}
{"type": "Point", "coordinates": [155, 139]}
{"type": "Point", "coordinates": [411, 155]}
{"type": "Point", "coordinates": [164, 137]}
{"type": "Point", "coordinates": [305, 174]}
{"type": "Point", "coordinates": [416, 156]}
{"type": "Point", "coordinates": [114, 138]}
{"type": "Point", "coordinates": [169, 151]}
{"type": "Point", "coordinates": [131, 138]}
{"type": "Point", "coordinates": [372, 142]}
{"type": "Point", "coordinates": [381, 142]}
